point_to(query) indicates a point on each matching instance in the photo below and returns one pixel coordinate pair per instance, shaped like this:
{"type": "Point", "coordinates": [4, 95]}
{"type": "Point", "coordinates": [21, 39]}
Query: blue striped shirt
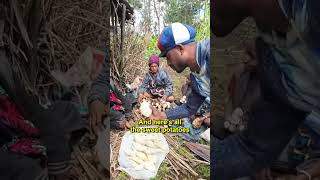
{"type": "Point", "coordinates": [298, 53]}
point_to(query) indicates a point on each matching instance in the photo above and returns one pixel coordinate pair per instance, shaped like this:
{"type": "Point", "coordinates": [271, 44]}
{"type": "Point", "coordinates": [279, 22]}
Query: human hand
{"type": "Point", "coordinates": [207, 119]}
{"type": "Point", "coordinates": [157, 115]}
{"type": "Point", "coordinates": [96, 112]}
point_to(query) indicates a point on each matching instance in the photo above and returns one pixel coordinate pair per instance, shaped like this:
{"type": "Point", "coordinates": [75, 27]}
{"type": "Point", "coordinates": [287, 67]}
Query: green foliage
{"type": "Point", "coordinates": [122, 176]}
{"type": "Point", "coordinates": [183, 151]}
{"type": "Point", "coordinates": [163, 171]}
{"type": "Point", "coordinates": [183, 11]}
{"type": "Point", "coordinates": [186, 12]}
{"type": "Point", "coordinates": [204, 142]}
{"type": "Point", "coordinates": [203, 25]}
{"type": "Point", "coordinates": [178, 11]}
{"type": "Point", "coordinates": [152, 48]}
{"type": "Point", "coordinates": [203, 170]}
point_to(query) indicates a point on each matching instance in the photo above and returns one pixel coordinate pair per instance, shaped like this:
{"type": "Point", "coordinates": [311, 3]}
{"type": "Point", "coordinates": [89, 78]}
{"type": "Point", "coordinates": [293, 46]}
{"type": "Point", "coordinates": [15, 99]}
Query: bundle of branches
{"type": "Point", "coordinates": [129, 62]}
{"type": "Point", "coordinates": [51, 34]}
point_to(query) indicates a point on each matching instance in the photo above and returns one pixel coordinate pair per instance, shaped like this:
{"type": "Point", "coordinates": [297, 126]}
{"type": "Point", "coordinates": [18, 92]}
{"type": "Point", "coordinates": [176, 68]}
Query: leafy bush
{"type": "Point", "coordinates": [203, 25]}
{"type": "Point", "coordinates": [152, 48]}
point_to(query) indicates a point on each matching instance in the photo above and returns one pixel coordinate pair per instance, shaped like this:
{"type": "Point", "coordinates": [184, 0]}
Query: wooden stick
{"type": "Point", "coordinates": [89, 165]}
{"type": "Point", "coordinates": [95, 170]}
{"type": "Point", "coordinates": [184, 164]}
{"type": "Point", "coordinates": [84, 166]}
{"type": "Point", "coordinates": [174, 168]}
{"type": "Point", "coordinates": [197, 160]}
{"type": "Point", "coordinates": [175, 160]}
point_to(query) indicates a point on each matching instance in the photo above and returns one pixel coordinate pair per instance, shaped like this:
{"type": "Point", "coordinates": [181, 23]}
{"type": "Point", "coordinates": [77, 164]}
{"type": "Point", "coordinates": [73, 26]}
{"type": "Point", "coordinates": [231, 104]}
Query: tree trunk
{"type": "Point", "coordinates": [157, 14]}
{"type": "Point", "coordinates": [122, 25]}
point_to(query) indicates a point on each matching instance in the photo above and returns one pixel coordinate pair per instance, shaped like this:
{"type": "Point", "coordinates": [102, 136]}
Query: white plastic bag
{"type": "Point", "coordinates": [206, 135]}
{"type": "Point", "coordinates": [126, 143]}
{"type": "Point", "coordinates": [84, 70]}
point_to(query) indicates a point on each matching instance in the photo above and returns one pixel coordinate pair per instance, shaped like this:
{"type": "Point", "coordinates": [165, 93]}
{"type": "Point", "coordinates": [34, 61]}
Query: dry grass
{"type": "Point", "coordinates": [46, 35]}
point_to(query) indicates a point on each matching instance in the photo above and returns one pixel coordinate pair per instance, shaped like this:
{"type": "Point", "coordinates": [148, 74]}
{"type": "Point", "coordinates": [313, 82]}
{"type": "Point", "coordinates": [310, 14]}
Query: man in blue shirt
{"type": "Point", "coordinates": [288, 51]}
{"type": "Point", "coordinates": [177, 44]}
